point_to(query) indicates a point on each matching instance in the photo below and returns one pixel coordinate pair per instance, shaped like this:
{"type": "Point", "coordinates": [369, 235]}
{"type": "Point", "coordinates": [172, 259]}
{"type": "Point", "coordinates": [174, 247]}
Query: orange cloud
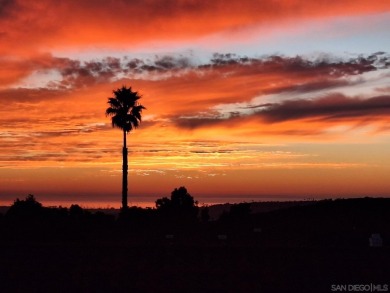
{"type": "Point", "coordinates": [46, 25]}
{"type": "Point", "coordinates": [255, 110]}
{"type": "Point", "coordinates": [231, 125]}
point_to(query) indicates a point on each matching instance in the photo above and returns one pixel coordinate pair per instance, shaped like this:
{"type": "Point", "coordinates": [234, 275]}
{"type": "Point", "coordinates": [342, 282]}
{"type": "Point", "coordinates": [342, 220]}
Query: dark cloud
{"type": "Point", "coordinates": [159, 64]}
{"type": "Point", "coordinates": [77, 74]}
{"type": "Point", "coordinates": [380, 58]}
{"type": "Point", "coordinates": [169, 62]}
{"type": "Point", "coordinates": [257, 106]}
{"type": "Point", "coordinates": [332, 107]}
{"type": "Point", "coordinates": [301, 65]}
{"type": "Point", "coordinates": [193, 123]}
{"type": "Point", "coordinates": [7, 7]}
{"type": "Point", "coordinates": [219, 59]}
{"type": "Point", "coordinates": [74, 73]}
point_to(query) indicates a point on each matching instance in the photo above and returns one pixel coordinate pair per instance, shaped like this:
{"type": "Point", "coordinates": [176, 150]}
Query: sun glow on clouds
{"type": "Point", "coordinates": [250, 122]}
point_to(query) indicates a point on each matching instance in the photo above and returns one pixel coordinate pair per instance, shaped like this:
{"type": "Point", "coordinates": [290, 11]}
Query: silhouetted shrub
{"type": "Point", "coordinates": [180, 207]}
{"type": "Point", "coordinates": [76, 211]}
{"type": "Point", "coordinates": [25, 209]}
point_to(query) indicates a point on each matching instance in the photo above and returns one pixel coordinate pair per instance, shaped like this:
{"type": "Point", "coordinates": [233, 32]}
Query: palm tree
{"type": "Point", "coordinates": [125, 112]}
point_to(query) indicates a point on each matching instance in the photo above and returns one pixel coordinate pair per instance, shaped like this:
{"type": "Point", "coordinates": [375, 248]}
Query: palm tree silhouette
{"type": "Point", "coordinates": [125, 112]}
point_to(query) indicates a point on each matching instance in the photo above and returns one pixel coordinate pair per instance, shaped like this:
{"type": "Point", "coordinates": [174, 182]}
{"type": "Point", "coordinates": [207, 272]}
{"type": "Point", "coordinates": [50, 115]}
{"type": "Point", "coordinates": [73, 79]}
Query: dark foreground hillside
{"type": "Point", "coordinates": [316, 248]}
{"type": "Point", "coordinates": [114, 267]}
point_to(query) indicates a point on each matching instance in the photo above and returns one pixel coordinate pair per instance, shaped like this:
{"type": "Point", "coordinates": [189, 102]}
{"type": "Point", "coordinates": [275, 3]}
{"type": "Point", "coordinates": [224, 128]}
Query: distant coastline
{"type": "Point", "coordinates": [215, 210]}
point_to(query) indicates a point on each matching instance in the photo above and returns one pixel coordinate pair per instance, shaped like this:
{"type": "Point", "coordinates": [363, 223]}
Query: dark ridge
{"type": "Point", "coordinates": [252, 247]}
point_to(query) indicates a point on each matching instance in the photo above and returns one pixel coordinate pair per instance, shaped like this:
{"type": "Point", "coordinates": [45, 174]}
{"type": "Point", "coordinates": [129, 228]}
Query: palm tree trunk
{"type": "Point", "coordinates": [124, 173]}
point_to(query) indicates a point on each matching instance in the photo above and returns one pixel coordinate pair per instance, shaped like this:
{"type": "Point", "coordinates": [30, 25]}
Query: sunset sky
{"type": "Point", "coordinates": [246, 100]}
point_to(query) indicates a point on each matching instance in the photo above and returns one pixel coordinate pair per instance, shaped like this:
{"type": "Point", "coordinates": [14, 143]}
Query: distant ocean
{"type": "Point", "coordinates": [149, 202]}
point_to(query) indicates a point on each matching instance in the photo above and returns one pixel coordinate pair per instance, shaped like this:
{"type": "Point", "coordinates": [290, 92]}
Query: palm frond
{"type": "Point", "coordinates": [134, 121]}
{"type": "Point", "coordinates": [116, 121]}
{"type": "Point", "coordinates": [111, 111]}
{"type": "Point", "coordinates": [125, 111]}
{"type": "Point", "coordinates": [114, 103]}
{"type": "Point", "coordinates": [137, 111]}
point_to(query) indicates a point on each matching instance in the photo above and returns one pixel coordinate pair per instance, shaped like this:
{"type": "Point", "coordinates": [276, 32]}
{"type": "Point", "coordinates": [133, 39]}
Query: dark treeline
{"type": "Point", "coordinates": [178, 219]}
{"type": "Point", "coordinates": [177, 248]}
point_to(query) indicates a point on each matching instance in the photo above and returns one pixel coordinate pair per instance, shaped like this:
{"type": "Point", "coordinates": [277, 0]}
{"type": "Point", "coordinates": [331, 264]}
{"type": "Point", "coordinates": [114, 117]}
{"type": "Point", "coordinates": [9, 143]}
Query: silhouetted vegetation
{"type": "Point", "coordinates": [125, 112]}
{"type": "Point", "coordinates": [181, 208]}
{"type": "Point", "coordinates": [344, 222]}
{"type": "Point", "coordinates": [178, 247]}
{"type": "Point", "coordinates": [26, 209]}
